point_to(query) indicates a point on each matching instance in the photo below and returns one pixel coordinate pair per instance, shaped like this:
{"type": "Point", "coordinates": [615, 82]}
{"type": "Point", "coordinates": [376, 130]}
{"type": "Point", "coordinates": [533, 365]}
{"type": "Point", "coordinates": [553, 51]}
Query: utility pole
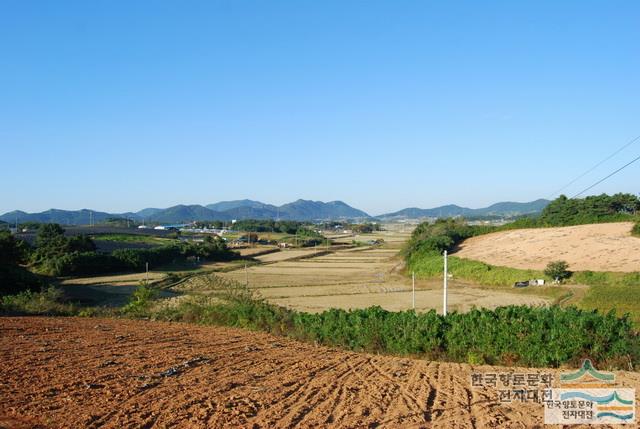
{"type": "Point", "coordinates": [147, 271]}
{"type": "Point", "coordinates": [444, 299]}
{"type": "Point", "coordinates": [246, 274]}
{"type": "Point", "coordinates": [413, 281]}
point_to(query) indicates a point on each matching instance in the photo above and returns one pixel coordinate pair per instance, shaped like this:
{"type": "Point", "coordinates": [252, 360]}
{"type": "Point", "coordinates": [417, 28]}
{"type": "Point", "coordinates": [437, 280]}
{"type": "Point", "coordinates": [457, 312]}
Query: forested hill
{"type": "Point", "coordinates": [503, 209]}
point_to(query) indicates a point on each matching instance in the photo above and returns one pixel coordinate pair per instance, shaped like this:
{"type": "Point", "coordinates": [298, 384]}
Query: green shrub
{"type": "Point", "coordinates": [558, 270]}
{"type": "Point", "coordinates": [511, 335]}
{"type": "Point", "coordinates": [46, 302]}
{"type": "Point", "coordinates": [140, 301]}
{"type": "Point", "coordinates": [442, 235]}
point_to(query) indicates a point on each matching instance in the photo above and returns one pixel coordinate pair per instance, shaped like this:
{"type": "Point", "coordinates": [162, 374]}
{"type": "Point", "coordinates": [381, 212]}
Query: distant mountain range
{"type": "Point", "coordinates": [66, 217]}
{"type": "Point", "coordinates": [504, 209]}
{"type": "Point", "coordinates": [303, 210]}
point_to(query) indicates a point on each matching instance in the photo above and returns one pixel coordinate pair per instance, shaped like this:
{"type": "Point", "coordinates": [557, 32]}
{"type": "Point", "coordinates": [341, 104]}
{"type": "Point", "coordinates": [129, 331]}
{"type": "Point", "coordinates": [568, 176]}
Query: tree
{"type": "Point", "coordinates": [55, 252]}
{"type": "Point", "coordinates": [13, 277]}
{"type": "Point", "coordinates": [558, 270]}
{"type": "Point", "coordinates": [81, 243]}
{"type": "Point", "coordinates": [12, 251]}
{"type": "Point", "coordinates": [50, 235]}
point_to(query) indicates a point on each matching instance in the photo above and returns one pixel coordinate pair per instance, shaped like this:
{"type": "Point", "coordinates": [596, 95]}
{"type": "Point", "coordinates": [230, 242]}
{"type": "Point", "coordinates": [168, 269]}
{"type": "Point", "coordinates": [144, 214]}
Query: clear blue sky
{"type": "Point", "coordinates": [121, 105]}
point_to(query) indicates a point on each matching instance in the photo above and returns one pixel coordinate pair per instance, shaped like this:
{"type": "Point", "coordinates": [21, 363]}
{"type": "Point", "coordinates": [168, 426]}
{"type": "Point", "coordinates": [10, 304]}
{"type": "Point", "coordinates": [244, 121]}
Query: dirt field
{"type": "Point", "coordinates": [117, 279]}
{"type": "Point", "coordinates": [94, 373]}
{"type": "Point", "coordinates": [599, 247]}
{"type": "Point", "coordinates": [359, 278]}
{"type": "Point", "coordinates": [288, 254]}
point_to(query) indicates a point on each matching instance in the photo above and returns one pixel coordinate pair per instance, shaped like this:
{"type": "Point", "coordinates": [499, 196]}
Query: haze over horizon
{"type": "Point", "coordinates": [118, 107]}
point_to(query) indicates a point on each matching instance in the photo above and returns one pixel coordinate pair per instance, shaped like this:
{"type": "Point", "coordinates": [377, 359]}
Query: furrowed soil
{"type": "Point", "coordinates": [95, 373]}
{"type": "Point", "coordinates": [597, 247]}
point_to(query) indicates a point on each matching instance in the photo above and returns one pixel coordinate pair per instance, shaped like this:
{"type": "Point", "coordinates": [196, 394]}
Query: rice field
{"type": "Point", "coordinates": [360, 277]}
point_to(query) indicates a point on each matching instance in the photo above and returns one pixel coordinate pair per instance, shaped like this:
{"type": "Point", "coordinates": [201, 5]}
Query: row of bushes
{"type": "Point", "coordinates": [512, 335]}
{"type": "Point", "coordinates": [507, 335]}
{"type": "Point", "coordinates": [270, 225]}
{"type": "Point", "coordinates": [122, 260]}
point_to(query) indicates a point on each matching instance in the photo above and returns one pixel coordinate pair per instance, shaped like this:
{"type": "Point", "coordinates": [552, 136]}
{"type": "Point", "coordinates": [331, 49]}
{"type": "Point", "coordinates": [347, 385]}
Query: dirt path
{"type": "Point", "coordinates": [91, 373]}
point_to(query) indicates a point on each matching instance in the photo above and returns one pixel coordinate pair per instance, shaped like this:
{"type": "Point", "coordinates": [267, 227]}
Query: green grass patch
{"type": "Point", "coordinates": [430, 264]}
{"type": "Point", "coordinates": [133, 238]}
{"type": "Point", "coordinates": [622, 299]}
{"type": "Point", "coordinates": [606, 278]}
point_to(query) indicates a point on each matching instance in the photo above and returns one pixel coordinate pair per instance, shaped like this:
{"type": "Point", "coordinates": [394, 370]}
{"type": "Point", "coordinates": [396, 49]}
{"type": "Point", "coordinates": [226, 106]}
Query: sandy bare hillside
{"type": "Point", "coordinates": [107, 373]}
{"type": "Point", "coordinates": [597, 247]}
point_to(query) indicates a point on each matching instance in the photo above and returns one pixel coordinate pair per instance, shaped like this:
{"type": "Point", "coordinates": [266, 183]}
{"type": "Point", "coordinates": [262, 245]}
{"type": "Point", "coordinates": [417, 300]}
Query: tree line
{"type": "Point", "coordinates": [55, 254]}
{"type": "Point", "coordinates": [565, 211]}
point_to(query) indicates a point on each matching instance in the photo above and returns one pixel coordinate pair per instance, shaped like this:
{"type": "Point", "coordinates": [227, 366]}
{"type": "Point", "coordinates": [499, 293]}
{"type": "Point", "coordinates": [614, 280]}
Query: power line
{"type": "Point", "coordinates": [605, 178]}
{"type": "Point", "coordinates": [594, 167]}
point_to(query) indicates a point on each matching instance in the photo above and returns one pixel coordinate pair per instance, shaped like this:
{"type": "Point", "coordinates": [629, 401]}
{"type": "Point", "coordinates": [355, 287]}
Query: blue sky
{"type": "Point", "coordinates": [120, 105]}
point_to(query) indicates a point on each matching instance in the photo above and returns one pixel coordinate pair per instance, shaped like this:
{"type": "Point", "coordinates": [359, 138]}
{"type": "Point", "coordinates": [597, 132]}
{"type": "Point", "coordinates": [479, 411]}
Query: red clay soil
{"type": "Point", "coordinates": [94, 373]}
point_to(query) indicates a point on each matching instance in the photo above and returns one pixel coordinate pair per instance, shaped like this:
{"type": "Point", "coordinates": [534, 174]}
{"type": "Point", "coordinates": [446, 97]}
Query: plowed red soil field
{"type": "Point", "coordinates": [94, 373]}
